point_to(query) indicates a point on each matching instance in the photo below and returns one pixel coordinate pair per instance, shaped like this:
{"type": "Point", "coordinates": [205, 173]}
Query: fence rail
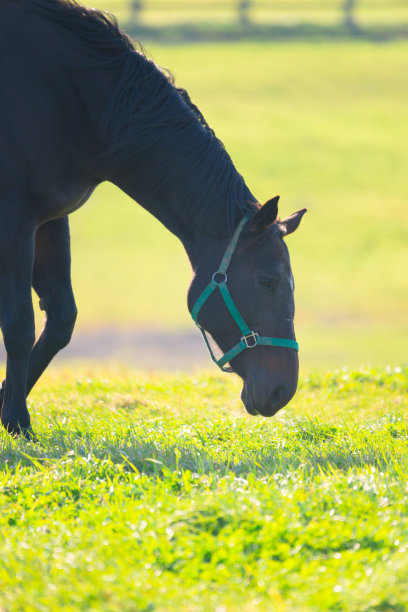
{"type": "Point", "coordinates": [248, 10]}
{"type": "Point", "coordinates": [211, 19]}
{"type": "Point", "coordinates": [278, 5]}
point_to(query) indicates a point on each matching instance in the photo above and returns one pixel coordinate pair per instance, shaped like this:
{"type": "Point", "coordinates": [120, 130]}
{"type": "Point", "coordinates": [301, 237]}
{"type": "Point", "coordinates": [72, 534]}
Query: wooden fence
{"type": "Point", "coordinates": [246, 12]}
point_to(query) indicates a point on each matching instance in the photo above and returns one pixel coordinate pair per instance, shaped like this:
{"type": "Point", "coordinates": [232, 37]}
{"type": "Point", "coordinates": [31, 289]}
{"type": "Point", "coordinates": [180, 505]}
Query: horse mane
{"type": "Point", "coordinates": [152, 123]}
{"type": "Point", "coordinates": [148, 118]}
{"type": "Point", "coordinates": [96, 29]}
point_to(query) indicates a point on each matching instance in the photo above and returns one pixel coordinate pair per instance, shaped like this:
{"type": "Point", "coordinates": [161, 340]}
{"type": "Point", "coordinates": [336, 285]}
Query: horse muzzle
{"type": "Point", "coordinates": [265, 400]}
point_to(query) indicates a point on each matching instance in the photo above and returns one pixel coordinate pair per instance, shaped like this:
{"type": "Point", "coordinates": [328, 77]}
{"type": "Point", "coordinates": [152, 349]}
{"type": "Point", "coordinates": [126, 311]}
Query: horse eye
{"type": "Point", "coordinates": [268, 282]}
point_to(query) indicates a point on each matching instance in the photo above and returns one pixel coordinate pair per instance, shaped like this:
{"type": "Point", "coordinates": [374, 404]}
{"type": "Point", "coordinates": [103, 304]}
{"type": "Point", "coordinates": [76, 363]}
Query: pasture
{"type": "Point", "coordinates": [157, 493]}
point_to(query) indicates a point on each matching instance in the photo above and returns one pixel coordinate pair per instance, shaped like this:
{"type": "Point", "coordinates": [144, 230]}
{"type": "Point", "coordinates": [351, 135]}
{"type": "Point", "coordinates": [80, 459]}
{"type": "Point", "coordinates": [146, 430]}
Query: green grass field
{"type": "Point", "coordinates": [325, 126]}
{"type": "Point", "coordinates": [158, 493]}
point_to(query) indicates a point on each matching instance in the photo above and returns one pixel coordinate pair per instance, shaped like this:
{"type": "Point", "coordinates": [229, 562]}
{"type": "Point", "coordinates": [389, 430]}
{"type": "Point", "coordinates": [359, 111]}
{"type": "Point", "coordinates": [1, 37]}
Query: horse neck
{"type": "Point", "coordinates": [159, 149]}
{"type": "Point", "coordinates": [202, 236]}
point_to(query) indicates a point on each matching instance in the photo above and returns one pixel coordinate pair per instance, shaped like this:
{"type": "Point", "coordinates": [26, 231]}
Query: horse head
{"type": "Point", "coordinates": [246, 304]}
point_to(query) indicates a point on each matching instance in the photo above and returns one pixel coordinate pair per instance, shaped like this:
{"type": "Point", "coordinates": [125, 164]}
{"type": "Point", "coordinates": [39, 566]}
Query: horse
{"type": "Point", "coordinates": [81, 104]}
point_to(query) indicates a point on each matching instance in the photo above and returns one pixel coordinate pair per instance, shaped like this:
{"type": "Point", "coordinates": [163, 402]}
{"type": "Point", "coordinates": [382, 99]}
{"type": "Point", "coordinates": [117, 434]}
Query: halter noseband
{"type": "Point", "coordinates": [250, 339]}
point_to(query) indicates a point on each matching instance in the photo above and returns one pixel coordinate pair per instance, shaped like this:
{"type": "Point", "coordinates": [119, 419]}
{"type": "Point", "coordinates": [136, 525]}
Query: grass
{"type": "Point", "coordinates": [323, 125]}
{"type": "Point", "coordinates": [158, 493]}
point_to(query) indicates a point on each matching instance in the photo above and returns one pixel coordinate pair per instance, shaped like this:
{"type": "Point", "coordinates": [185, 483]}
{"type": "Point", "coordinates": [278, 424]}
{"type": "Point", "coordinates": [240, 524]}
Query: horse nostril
{"type": "Point", "coordinates": [278, 397]}
{"type": "Point", "coordinates": [277, 400]}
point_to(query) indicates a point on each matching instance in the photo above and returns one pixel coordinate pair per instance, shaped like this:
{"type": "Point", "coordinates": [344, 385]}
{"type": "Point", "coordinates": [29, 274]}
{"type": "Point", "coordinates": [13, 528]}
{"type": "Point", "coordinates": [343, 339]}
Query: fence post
{"type": "Point", "coordinates": [243, 12]}
{"type": "Point", "coordinates": [136, 10]}
{"type": "Point", "coordinates": [349, 7]}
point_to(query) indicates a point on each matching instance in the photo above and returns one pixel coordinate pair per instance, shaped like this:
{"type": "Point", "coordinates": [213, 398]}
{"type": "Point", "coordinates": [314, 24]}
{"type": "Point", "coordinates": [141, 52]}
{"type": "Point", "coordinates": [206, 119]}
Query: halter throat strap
{"type": "Point", "coordinates": [249, 339]}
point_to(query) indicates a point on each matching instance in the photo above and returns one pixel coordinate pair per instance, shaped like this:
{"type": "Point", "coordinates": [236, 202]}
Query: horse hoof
{"type": "Point", "coordinates": [15, 429]}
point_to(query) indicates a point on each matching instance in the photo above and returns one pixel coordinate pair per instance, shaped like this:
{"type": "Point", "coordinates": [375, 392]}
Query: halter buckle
{"type": "Point", "coordinates": [251, 340]}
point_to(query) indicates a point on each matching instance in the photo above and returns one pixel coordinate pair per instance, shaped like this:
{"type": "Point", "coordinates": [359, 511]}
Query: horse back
{"type": "Point", "coordinates": [50, 105]}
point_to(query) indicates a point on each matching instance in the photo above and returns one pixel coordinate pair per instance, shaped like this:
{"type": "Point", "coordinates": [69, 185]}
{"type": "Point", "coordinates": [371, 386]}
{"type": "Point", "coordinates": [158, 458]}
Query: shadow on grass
{"type": "Point", "coordinates": [264, 454]}
{"type": "Point", "coordinates": [190, 33]}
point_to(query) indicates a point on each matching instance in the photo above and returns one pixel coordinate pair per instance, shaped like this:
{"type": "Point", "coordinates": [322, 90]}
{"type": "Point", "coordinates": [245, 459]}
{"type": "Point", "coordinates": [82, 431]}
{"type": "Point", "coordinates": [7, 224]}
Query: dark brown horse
{"type": "Point", "coordinates": [79, 105]}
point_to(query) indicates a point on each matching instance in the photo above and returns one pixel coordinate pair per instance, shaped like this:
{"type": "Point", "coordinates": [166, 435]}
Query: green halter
{"type": "Point", "coordinates": [249, 339]}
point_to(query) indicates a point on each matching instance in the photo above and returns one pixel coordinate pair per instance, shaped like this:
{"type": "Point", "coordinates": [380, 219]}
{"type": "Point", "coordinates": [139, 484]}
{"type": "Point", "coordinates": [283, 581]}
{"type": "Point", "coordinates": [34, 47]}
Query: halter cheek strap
{"type": "Point", "coordinates": [249, 339]}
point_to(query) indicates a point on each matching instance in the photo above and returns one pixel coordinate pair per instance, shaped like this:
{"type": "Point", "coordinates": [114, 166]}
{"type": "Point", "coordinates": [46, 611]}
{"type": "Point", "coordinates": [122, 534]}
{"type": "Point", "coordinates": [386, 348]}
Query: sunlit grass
{"type": "Point", "coordinates": [158, 493]}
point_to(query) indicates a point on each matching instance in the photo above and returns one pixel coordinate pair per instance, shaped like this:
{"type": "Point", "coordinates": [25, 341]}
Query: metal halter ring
{"type": "Point", "coordinates": [220, 282]}
{"type": "Point", "coordinates": [251, 340]}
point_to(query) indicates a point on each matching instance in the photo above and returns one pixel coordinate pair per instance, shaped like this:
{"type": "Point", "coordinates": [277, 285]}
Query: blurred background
{"type": "Point", "coordinates": [310, 98]}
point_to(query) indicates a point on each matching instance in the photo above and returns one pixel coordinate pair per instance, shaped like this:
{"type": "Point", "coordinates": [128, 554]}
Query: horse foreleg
{"type": "Point", "coordinates": [17, 232]}
{"type": "Point", "coordinates": [52, 283]}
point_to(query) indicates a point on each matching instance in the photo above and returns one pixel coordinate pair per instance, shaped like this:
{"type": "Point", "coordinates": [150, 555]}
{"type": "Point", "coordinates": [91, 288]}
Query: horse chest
{"type": "Point", "coordinates": [64, 199]}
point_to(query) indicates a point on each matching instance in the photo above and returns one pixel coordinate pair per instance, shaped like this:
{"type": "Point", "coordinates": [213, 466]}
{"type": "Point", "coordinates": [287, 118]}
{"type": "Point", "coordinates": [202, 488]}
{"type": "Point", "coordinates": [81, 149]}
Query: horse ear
{"type": "Point", "coordinates": [265, 216]}
{"type": "Point", "coordinates": [291, 223]}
